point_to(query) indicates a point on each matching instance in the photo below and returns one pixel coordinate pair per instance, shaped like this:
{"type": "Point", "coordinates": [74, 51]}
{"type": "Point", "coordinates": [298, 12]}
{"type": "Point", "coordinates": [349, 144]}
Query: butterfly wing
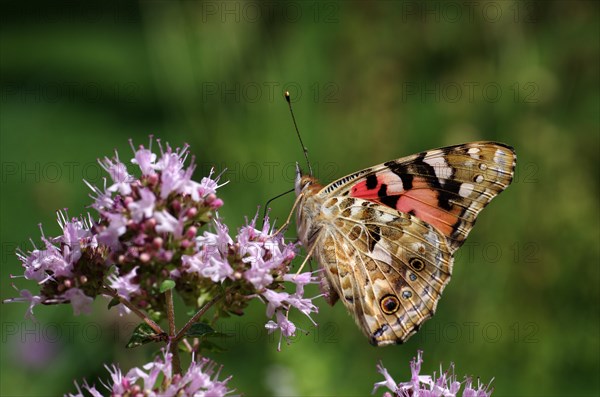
{"type": "Point", "coordinates": [446, 187]}
{"type": "Point", "coordinates": [388, 268]}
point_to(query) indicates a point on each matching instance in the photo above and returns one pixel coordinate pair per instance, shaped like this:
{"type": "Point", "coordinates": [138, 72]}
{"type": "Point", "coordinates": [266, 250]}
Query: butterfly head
{"type": "Point", "coordinates": [305, 183]}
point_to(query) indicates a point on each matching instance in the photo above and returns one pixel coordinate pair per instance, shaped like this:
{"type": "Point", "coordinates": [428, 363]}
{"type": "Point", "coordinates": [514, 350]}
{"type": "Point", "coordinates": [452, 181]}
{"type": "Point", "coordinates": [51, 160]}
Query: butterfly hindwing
{"type": "Point", "coordinates": [388, 268]}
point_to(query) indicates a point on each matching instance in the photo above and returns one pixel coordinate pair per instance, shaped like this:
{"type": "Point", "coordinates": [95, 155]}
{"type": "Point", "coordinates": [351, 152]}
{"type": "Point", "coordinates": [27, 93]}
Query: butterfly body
{"type": "Point", "coordinates": [385, 236]}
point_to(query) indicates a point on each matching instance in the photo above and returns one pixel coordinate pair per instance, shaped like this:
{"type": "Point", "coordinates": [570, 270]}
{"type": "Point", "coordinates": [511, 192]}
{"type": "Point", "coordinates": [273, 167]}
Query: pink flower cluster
{"type": "Point", "coordinates": [146, 224]}
{"type": "Point", "coordinates": [258, 263]}
{"type": "Point", "coordinates": [445, 385]}
{"type": "Point", "coordinates": [148, 232]}
{"type": "Point", "coordinates": [151, 221]}
{"type": "Point", "coordinates": [157, 379]}
{"type": "Point", "coordinates": [67, 269]}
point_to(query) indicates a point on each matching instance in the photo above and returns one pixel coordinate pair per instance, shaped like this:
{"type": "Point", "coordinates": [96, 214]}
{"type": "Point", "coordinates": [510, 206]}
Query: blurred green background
{"type": "Point", "coordinates": [370, 82]}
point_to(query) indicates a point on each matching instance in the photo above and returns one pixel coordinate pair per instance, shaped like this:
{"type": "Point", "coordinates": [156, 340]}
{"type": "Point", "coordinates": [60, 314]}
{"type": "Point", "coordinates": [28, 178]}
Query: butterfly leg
{"type": "Point", "coordinates": [305, 261]}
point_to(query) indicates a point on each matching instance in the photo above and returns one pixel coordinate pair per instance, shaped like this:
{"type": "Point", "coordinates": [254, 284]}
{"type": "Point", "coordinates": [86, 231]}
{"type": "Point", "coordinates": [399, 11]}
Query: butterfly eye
{"type": "Point", "coordinates": [389, 304]}
{"type": "Point", "coordinates": [305, 181]}
{"type": "Point", "coordinates": [416, 264]}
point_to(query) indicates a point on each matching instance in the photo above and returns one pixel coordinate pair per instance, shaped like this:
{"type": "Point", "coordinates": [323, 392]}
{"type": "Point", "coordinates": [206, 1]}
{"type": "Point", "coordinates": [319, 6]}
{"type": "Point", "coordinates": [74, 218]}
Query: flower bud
{"type": "Point", "coordinates": [191, 212]}
{"type": "Point", "coordinates": [152, 179]}
{"type": "Point", "coordinates": [218, 203]}
{"type": "Point", "coordinates": [157, 242]}
{"type": "Point", "coordinates": [191, 232]}
{"type": "Point", "coordinates": [150, 224]}
{"type": "Point", "coordinates": [210, 198]}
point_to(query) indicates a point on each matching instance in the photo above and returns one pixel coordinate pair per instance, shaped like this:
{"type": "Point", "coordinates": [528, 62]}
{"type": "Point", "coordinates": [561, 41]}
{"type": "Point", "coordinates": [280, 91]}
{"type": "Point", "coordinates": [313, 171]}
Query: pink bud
{"type": "Point", "coordinates": [157, 242]}
{"type": "Point", "coordinates": [145, 257]}
{"type": "Point", "coordinates": [191, 232]}
{"type": "Point", "coordinates": [192, 212]}
{"type": "Point", "coordinates": [133, 225]}
{"type": "Point", "coordinates": [150, 224]}
{"type": "Point", "coordinates": [218, 203]}
{"type": "Point", "coordinates": [153, 179]}
{"type": "Point", "coordinates": [210, 198]}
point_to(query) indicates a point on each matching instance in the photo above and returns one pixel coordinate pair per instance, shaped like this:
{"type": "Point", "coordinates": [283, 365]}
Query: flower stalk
{"type": "Point", "coordinates": [143, 316]}
{"type": "Point", "coordinates": [196, 317]}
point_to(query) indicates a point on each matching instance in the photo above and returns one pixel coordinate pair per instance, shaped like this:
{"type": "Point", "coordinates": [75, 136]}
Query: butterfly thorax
{"type": "Point", "coordinates": [309, 208]}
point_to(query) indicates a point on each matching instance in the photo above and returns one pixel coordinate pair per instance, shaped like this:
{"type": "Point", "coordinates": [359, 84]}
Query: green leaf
{"type": "Point", "coordinates": [113, 302]}
{"type": "Point", "coordinates": [204, 330]}
{"type": "Point", "coordinates": [200, 329]}
{"type": "Point", "coordinates": [142, 334]}
{"type": "Point", "coordinates": [167, 285]}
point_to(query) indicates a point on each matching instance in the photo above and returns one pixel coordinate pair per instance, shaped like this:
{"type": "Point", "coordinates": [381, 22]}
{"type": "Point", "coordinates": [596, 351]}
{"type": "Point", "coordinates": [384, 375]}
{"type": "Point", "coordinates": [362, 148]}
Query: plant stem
{"type": "Point", "coordinates": [197, 316]}
{"type": "Point", "coordinates": [155, 327]}
{"type": "Point", "coordinates": [173, 343]}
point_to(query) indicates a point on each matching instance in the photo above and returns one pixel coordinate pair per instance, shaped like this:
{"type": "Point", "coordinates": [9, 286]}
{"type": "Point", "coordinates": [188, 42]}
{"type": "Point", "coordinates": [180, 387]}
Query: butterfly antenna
{"type": "Point", "coordinates": [269, 202]}
{"type": "Point", "coordinates": [287, 98]}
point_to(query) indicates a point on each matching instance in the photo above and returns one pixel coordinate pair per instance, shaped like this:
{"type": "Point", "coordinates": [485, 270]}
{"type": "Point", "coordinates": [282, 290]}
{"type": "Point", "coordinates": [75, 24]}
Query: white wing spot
{"type": "Point", "coordinates": [394, 184]}
{"type": "Point", "coordinates": [384, 217]}
{"type": "Point", "coordinates": [432, 238]}
{"type": "Point", "coordinates": [465, 190]}
{"type": "Point", "coordinates": [473, 152]}
{"type": "Point", "coordinates": [500, 158]}
{"type": "Point", "coordinates": [381, 254]}
{"type": "Point", "coordinates": [440, 167]}
{"type": "Point", "coordinates": [419, 247]}
{"type": "Point", "coordinates": [354, 211]}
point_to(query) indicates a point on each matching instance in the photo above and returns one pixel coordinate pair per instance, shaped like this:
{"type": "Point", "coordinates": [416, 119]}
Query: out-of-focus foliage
{"type": "Point", "coordinates": [370, 82]}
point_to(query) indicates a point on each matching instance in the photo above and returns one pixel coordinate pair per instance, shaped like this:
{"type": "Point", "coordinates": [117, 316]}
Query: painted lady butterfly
{"type": "Point", "coordinates": [385, 236]}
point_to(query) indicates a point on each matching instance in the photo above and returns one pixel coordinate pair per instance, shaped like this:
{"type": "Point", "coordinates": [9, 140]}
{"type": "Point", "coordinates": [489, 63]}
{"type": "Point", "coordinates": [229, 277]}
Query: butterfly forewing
{"type": "Point", "coordinates": [445, 187]}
